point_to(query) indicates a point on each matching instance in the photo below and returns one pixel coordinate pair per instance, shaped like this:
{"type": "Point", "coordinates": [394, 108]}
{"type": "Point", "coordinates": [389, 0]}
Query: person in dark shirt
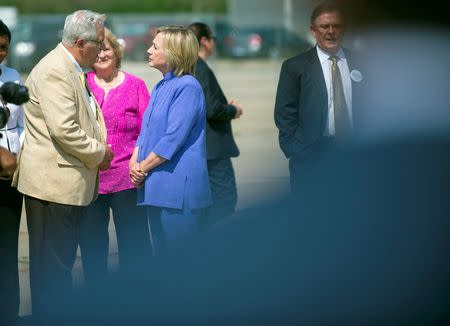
{"type": "Point", "coordinates": [10, 198]}
{"type": "Point", "coordinates": [220, 144]}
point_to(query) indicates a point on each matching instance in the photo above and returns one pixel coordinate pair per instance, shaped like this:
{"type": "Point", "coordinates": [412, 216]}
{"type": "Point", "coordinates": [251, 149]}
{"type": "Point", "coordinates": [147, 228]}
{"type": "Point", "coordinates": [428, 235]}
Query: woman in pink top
{"type": "Point", "coordinates": [123, 99]}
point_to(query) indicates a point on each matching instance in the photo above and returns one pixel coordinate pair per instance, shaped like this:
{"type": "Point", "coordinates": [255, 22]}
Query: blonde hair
{"type": "Point", "coordinates": [181, 48]}
{"type": "Point", "coordinates": [115, 46]}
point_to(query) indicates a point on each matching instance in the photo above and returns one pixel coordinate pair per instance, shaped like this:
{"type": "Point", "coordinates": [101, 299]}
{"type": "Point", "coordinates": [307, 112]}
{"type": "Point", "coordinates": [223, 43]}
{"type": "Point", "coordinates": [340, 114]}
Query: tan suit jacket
{"type": "Point", "coordinates": [64, 141]}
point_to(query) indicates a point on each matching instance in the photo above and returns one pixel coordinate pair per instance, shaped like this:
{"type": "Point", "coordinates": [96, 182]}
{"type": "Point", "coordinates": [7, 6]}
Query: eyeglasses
{"type": "Point", "coordinates": [100, 44]}
{"type": "Point", "coordinates": [326, 27]}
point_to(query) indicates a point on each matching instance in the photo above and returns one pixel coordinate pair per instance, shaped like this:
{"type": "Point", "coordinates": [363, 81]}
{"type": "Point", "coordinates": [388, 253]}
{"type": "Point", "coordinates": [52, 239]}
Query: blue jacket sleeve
{"type": "Point", "coordinates": [184, 111]}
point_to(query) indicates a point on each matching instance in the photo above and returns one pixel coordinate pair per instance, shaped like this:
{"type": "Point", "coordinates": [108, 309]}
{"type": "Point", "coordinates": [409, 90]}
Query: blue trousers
{"type": "Point", "coordinates": [171, 228]}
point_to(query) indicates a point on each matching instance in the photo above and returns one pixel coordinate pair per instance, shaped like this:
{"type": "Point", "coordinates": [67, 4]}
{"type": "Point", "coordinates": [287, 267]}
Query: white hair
{"type": "Point", "coordinates": [81, 25]}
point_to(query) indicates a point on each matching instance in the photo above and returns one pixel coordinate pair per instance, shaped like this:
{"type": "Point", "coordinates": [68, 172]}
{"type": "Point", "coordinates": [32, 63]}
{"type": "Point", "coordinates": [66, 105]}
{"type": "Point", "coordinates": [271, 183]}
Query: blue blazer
{"type": "Point", "coordinates": [173, 127]}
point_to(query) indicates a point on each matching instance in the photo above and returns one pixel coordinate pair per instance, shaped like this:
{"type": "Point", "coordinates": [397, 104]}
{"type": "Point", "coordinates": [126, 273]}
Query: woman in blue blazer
{"type": "Point", "coordinates": [169, 160]}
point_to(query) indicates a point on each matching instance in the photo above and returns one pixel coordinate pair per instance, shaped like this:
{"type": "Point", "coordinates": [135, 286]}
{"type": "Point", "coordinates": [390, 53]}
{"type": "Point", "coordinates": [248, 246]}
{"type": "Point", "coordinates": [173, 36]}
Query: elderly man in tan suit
{"type": "Point", "coordinates": [63, 150]}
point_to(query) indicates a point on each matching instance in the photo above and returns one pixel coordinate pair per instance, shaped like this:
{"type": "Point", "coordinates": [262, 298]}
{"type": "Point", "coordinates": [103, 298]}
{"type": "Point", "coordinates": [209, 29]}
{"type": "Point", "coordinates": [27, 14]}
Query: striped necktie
{"type": "Point", "coordinates": [342, 124]}
{"type": "Point", "coordinates": [91, 98]}
{"type": "Point", "coordinates": [84, 82]}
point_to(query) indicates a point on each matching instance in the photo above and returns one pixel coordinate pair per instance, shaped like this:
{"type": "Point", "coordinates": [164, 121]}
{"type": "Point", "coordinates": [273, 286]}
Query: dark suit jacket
{"type": "Point", "coordinates": [219, 135]}
{"type": "Point", "coordinates": [301, 106]}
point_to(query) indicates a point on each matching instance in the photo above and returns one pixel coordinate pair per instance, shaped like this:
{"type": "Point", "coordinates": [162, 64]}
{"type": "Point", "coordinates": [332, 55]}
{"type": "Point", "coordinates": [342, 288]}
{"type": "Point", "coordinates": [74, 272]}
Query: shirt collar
{"type": "Point", "coordinates": [169, 75]}
{"type": "Point", "coordinates": [324, 56]}
{"type": "Point", "coordinates": [72, 59]}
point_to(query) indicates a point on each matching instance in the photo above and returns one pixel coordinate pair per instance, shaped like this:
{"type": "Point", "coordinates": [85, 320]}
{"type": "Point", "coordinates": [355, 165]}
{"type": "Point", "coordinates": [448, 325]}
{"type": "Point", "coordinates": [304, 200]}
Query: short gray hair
{"type": "Point", "coordinates": [81, 25]}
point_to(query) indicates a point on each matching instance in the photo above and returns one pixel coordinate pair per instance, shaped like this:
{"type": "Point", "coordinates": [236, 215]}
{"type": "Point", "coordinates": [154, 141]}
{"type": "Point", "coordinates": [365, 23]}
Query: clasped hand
{"type": "Point", "coordinates": [137, 176]}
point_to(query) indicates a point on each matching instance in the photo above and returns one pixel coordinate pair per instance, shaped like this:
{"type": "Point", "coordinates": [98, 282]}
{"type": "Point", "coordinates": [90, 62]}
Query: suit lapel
{"type": "Point", "coordinates": [84, 94]}
{"type": "Point", "coordinates": [96, 119]}
{"type": "Point", "coordinates": [357, 86]}
{"type": "Point", "coordinates": [316, 73]}
{"type": "Point", "coordinates": [101, 122]}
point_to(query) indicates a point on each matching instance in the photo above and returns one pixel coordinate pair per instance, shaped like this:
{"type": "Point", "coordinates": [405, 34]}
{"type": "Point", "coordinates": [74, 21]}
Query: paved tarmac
{"type": "Point", "coordinates": [261, 169]}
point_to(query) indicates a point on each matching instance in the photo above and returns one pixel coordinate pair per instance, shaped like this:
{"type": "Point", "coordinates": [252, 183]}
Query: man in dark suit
{"type": "Point", "coordinates": [220, 144]}
{"type": "Point", "coordinates": [306, 111]}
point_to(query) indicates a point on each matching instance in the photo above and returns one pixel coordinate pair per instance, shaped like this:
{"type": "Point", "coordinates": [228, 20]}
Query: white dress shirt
{"type": "Point", "coordinates": [326, 63]}
{"type": "Point", "coordinates": [12, 133]}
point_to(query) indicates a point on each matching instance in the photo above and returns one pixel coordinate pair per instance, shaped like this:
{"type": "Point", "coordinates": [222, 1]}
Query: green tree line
{"type": "Point", "coordinates": [117, 6]}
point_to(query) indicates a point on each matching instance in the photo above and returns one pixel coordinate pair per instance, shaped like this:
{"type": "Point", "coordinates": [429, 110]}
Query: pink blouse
{"type": "Point", "coordinates": [122, 110]}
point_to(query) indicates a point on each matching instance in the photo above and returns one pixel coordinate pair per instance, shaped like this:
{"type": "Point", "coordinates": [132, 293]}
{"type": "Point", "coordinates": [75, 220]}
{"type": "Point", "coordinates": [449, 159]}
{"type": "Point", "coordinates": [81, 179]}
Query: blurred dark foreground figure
{"type": "Point", "coordinates": [382, 260]}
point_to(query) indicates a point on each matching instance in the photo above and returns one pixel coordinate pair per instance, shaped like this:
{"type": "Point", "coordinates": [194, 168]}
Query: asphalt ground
{"type": "Point", "coordinates": [261, 169]}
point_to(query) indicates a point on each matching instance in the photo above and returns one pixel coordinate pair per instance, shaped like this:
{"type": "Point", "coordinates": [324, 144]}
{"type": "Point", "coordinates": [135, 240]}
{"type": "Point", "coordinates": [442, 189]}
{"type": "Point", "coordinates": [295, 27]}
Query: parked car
{"type": "Point", "coordinates": [251, 42]}
{"type": "Point", "coordinates": [136, 37]}
{"type": "Point", "coordinates": [136, 33]}
{"type": "Point", "coordinates": [33, 38]}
